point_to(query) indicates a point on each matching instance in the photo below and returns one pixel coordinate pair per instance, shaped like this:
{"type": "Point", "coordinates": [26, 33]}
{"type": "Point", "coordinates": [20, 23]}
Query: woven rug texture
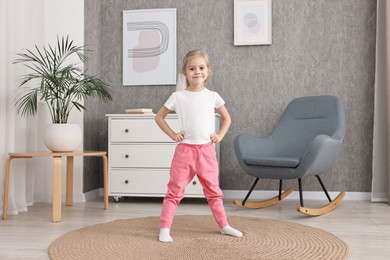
{"type": "Point", "coordinates": [198, 237]}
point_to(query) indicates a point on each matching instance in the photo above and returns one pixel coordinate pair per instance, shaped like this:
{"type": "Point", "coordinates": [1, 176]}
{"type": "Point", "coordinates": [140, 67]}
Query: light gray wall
{"type": "Point", "coordinates": [318, 47]}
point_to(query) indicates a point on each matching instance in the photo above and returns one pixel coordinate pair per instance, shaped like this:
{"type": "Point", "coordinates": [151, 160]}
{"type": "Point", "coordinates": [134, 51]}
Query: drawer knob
{"type": "Point", "coordinates": [127, 181]}
{"type": "Point", "coordinates": [194, 183]}
{"type": "Point", "coordinates": [126, 130]}
{"type": "Point", "coordinates": [126, 156]}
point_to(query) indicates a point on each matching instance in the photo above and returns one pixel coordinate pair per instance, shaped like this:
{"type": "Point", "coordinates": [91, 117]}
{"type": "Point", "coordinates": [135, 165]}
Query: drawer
{"type": "Point", "coordinates": [140, 130]}
{"type": "Point", "coordinates": [142, 155]}
{"type": "Point", "coordinates": [146, 182]}
{"type": "Point", "coordinates": [139, 181]}
{"type": "Point", "coordinates": [194, 187]}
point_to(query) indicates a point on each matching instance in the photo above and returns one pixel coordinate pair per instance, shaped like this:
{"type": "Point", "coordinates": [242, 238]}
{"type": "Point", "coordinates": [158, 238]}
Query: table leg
{"type": "Point", "coordinates": [6, 188]}
{"type": "Point", "coordinates": [57, 188]}
{"type": "Point", "coordinates": [105, 178]}
{"type": "Point", "coordinates": [69, 181]}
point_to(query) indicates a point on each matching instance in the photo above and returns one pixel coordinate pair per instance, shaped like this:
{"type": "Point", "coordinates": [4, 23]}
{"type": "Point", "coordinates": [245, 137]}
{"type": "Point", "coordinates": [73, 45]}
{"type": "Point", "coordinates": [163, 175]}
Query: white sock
{"type": "Point", "coordinates": [228, 230]}
{"type": "Point", "coordinates": [164, 236]}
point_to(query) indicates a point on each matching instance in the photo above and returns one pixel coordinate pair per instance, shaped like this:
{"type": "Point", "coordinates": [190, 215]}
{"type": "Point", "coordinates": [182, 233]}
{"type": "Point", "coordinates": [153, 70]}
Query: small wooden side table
{"type": "Point", "coordinates": [57, 176]}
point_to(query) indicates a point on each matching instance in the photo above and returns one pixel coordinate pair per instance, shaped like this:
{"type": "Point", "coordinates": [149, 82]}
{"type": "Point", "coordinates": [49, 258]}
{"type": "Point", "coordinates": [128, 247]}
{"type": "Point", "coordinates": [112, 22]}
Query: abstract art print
{"type": "Point", "coordinates": [149, 47]}
{"type": "Point", "coordinates": [252, 22]}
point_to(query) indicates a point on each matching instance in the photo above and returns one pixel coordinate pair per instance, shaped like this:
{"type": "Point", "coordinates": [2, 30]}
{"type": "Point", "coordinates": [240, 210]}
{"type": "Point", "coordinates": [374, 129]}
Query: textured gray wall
{"type": "Point", "coordinates": [318, 47]}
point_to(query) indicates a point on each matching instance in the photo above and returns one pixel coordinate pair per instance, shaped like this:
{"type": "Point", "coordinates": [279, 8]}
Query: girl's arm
{"type": "Point", "coordinates": [160, 120]}
{"type": "Point", "coordinates": [226, 121]}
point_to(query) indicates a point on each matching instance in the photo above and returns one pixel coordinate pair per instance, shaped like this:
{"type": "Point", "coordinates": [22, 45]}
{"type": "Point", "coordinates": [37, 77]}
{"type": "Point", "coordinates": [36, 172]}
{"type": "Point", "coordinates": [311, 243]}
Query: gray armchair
{"type": "Point", "coordinates": [305, 142]}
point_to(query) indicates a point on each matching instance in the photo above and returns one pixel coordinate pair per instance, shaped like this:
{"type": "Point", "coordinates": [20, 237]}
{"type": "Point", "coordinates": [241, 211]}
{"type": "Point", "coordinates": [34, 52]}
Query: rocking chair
{"type": "Point", "coordinates": [305, 142]}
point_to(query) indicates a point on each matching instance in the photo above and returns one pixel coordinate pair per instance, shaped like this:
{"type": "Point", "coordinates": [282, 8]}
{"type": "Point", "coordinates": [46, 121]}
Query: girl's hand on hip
{"type": "Point", "coordinates": [215, 138]}
{"type": "Point", "coordinates": [178, 137]}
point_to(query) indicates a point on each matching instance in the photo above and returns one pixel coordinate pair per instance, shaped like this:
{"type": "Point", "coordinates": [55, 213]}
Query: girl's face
{"type": "Point", "coordinates": [197, 72]}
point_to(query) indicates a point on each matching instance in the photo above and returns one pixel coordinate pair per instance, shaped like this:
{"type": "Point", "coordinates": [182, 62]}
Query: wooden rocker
{"type": "Point", "coordinates": [263, 203]}
{"type": "Point", "coordinates": [305, 142]}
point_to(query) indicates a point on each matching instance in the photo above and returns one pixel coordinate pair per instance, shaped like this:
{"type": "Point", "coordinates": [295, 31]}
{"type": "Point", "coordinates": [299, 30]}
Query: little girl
{"type": "Point", "coordinates": [195, 154]}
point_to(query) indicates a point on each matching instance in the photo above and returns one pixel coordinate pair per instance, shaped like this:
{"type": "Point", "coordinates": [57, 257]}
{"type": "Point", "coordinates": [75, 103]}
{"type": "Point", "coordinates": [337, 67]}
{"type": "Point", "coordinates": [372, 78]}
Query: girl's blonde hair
{"type": "Point", "coordinates": [192, 55]}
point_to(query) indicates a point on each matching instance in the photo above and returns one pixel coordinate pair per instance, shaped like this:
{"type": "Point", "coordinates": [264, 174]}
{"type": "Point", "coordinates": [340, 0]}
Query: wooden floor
{"type": "Point", "coordinates": [364, 226]}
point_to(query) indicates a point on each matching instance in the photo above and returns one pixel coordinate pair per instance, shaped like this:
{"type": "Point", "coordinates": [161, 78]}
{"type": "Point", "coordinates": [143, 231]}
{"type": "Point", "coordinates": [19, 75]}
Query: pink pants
{"type": "Point", "coordinates": [190, 160]}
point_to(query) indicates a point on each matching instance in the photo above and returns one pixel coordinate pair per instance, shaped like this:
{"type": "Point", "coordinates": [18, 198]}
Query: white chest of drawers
{"type": "Point", "coordinates": [140, 155]}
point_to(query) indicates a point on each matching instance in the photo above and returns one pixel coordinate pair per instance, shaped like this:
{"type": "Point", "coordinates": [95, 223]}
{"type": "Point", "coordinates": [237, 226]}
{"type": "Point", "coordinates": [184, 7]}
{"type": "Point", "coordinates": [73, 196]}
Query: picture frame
{"type": "Point", "coordinates": [252, 22]}
{"type": "Point", "coordinates": [149, 47]}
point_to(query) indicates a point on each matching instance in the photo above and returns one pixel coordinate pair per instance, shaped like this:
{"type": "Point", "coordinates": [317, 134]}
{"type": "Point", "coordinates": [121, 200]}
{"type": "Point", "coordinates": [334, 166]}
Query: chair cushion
{"type": "Point", "coordinates": [287, 162]}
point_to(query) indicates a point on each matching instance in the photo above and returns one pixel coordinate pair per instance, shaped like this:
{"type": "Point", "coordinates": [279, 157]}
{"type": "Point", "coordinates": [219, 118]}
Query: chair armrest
{"type": "Point", "coordinates": [320, 155]}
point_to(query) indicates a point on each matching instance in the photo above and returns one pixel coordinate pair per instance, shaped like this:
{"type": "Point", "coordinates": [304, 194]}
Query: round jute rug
{"type": "Point", "coordinates": [198, 237]}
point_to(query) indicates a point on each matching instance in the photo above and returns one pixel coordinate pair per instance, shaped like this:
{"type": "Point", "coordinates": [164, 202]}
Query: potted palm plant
{"type": "Point", "coordinates": [62, 84]}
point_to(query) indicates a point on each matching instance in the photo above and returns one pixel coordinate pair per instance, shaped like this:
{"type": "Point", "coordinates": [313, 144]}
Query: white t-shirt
{"type": "Point", "coordinates": [196, 113]}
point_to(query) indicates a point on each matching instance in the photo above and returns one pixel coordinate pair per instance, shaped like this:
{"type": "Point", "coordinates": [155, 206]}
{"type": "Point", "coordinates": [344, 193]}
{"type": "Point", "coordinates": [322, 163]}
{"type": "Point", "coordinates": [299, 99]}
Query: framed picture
{"type": "Point", "coordinates": [149, 47]}
{"type": "Point", "coordinates": [252, 22]}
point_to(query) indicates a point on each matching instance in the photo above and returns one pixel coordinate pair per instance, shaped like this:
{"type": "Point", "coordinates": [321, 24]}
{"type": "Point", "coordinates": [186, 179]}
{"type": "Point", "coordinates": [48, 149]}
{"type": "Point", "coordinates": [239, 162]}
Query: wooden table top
{"type": "Point", "coordinates": [53, 154]}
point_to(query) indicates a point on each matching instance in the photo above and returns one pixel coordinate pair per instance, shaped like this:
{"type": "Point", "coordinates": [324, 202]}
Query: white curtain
{"type": "Point", "coordinates": [381, 167]}
{"type": "Point", "coordinates": [21, 25]}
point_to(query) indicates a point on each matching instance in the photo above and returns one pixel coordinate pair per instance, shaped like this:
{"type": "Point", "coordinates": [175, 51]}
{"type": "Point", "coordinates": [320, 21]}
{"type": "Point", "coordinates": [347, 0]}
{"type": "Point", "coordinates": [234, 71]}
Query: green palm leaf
{"type": "Point", "coordinates": [62, 83]}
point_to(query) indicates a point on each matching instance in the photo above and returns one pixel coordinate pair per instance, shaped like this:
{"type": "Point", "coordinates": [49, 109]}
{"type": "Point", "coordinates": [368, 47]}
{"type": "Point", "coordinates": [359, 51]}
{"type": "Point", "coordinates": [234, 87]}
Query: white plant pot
{"type": "Point", "coordinates": [63, 137]}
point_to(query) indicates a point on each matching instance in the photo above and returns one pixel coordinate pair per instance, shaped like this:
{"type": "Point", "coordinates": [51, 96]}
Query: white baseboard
{"type": "Point", "coordinates": [379, 197]}
{"type": "Point", "coordinates": [240, 194]}
{"type": "Point", "coordinates": [93, 194]}
{"type": "Point", "coordinates": [307, 195]}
